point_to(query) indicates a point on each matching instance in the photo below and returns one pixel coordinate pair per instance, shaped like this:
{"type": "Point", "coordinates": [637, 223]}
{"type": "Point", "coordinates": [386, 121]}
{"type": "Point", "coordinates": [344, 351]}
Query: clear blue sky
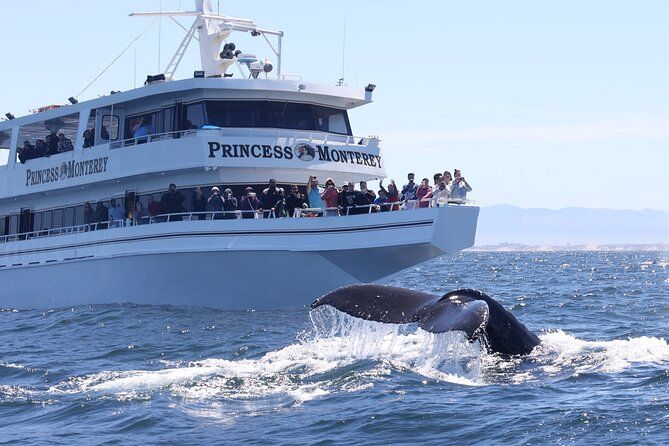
{"type": "Point", "coordinates": [541, 104]}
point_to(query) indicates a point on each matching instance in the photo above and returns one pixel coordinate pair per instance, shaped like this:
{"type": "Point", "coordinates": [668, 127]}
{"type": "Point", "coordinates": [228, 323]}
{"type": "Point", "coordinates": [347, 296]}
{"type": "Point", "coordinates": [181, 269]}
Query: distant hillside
{"type": "Point", "coordinates": [571, 226]}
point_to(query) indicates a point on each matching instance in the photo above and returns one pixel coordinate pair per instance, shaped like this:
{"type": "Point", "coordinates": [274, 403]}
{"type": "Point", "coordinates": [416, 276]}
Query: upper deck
{"type": "Point", "coordinates": [198, 123]}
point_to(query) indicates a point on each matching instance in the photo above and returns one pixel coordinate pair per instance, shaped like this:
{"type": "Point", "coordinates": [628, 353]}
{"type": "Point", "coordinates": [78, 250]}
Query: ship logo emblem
{"type": "Point", "coordinates": [63, 171]}
{"type": "Point", "coordinates": [305, 152]}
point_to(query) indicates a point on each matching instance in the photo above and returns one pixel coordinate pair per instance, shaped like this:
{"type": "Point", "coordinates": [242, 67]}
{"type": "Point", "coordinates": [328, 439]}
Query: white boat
{"type": "Point", "coordinates": [210, 130]}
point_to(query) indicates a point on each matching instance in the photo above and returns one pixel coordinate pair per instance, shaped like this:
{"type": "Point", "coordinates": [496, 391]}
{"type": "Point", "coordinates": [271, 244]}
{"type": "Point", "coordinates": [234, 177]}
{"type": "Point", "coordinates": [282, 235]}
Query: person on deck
{"type": "Point", "coordinates": [116, 213]}
{"type": "Point", "coordinates": [101, 215]}
{"type": "Point", "coordinates": [409, 189]}
{"type": "Point", "coordinates": [392, 195]}
{"type": "Point", "coordinates": [139, 215]}
{"type": "Point", "coordinates": [172, 202]}
{"type": "Point", "coordinates": [295, 200]}
{"type": "Point", "coordinates": [154, 207]}
{"type": "Point", "coordinates": [441, 195]}
{"type": "Point", "coordinates": [230, 205]}
{"type": "Point", "coordinates": [460, 186]}
{"type": "Point", "coordinates": [215, 203]}
{"type": "Point", "coordinates": [330, 197]}
{"type": "Point", "coordinates": [250, 204]}
{"type": "Point", "coordinates": [269, 198]}
{"type": "Point", "coordinates": [314, 194]}
{"type": "Point", "coordinates": [422, 193]}
{"type": "Point", "coordinates": [89, 214]}
{"type": "Point", "coordinates": [381, 200]}
{"type": "Point", "coordinates": [368, 194]}
{"type": "Point", "coordinates": [51, 144]}
{"type": "Point", "coordinates": [64, 144]}
{"type": "Point", "coordinates": [199, 203]}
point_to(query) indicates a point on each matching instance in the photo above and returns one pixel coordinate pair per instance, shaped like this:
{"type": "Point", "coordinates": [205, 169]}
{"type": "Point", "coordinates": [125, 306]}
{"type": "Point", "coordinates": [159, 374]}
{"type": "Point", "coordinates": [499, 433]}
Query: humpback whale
{"type": "Point", "coordinates": [467, 310]}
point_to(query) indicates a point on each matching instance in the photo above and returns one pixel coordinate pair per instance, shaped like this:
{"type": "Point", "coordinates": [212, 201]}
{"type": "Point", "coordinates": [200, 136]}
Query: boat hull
{"type": "Point", "coordinates": [241, 264]}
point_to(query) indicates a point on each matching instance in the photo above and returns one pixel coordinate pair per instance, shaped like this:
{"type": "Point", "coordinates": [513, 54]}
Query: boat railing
{"type": "Point", "coordinates": [152, 138]}
{"type": "Point", "coordinates": [230, 215]}
{"type": "Point", "coordinates": [299, 135]}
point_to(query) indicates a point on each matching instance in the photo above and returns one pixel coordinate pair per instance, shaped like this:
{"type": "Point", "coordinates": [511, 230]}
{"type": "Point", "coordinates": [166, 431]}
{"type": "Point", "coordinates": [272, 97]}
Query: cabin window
{"type": "Point", "coordinates": [268, 114]}
{"type": "Point", "coordinates": [42, 138]}
{"type": "Point", "coordinates": [68, 217]}
{"type": "Point", "coordinates": [37, 221]}
{"type": "Point", "coordinates": [168, 119]}
{"type": "Point", "coordinates": [46, 220]}
{"type": "Point", "coordinates": [3, 228]}
{"type": "Point", "coordinates": [237, 114]}
{"type": "Point", "coordinates": [109, 130]}
{"type": "Point", "coordinates": [57, 219]}
{"type": "Point", "coordinates": [5, 141]}
{"type": "Point", "coordinates": [79, 215]}
{"type": "Point", "coordinates": [286, 115]}
{"type": "Point", "coordinates": [13, 224]}
{"type": "Point", "coordinates": [194, 118]}
{"type": "Point", "coordinates": [332, 120]}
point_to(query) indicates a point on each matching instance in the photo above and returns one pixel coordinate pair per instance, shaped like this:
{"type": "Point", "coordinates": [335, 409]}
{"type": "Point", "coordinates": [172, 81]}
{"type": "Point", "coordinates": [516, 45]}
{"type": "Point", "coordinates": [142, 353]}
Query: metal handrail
{"type": "Point", "coordinates": [212, 215]}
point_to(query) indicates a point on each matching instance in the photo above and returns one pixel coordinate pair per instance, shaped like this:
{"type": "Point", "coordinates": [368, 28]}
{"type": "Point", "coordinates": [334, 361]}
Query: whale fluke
{"type": "Point", "coordinates": [467, 310]}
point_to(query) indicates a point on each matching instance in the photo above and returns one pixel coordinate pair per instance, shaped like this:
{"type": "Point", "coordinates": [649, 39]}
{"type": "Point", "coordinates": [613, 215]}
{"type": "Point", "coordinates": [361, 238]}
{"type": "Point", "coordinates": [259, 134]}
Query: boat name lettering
{"type": "Point", "coordinates": [67, 170]}
{"type": "Point", "coordinates": [302, 151]}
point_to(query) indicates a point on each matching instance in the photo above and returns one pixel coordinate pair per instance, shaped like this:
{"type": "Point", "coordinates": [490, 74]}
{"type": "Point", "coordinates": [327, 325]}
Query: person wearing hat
{"type": "Point", "coordinates": [215, 203]}
{"type": "Point", "coordinates": [230, 205]}
{"type": "Point", "coordinates": [250, 204]}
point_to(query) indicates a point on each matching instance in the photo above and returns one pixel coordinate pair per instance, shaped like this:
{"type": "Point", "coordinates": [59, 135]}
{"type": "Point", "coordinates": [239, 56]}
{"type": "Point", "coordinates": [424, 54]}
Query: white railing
{"type": "Point", "coordinates": [152, 138]}
{"type": "Point", "coordinates": [228, 215]}
{"type": "Point", "coordinates": [302, 135]}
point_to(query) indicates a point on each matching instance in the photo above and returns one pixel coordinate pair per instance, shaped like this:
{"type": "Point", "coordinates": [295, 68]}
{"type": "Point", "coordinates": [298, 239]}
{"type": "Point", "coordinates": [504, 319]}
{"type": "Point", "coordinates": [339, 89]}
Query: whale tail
{"type": "Point", "coordinates": [467, 310]}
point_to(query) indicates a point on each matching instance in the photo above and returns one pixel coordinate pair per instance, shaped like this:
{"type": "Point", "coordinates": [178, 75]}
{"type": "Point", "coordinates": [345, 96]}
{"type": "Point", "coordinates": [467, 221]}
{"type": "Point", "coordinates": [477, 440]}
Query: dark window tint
{"type": "Point", "coordinates": [37, 221]}
{"type": "Point", "coordinates": [68, 217]}
{"type": "Point", "coordinates": [267, 114]}
{"type": "Point", "coordinates": [3, 228]}
{"type": "Point", "coordinates": [13, 224]}
{"type": "Point", "coordinates": [79, 215]}
{"type": "Point", "coordinates": [194, 118]}
{"type": "Point", "coordinates": [46, 220]}
{"type": "Point", "coordinates": [332, 120]}
{"type": "Point", "coordinates": [57, 218]}
{"type": "Point", "coordinates": [237, 114]}
{"type": "Point", "coordinates": [109, 128]}
{"type": "Point", "coordinates": [292, 116]}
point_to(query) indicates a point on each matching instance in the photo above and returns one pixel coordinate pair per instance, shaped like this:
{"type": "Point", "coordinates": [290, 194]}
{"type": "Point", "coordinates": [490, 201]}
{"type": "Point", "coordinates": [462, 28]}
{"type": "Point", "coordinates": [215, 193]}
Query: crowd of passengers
{"type": "Point", "coordinates": [54, 144]}
{"type": "Point", "coordinates": [274, 202]}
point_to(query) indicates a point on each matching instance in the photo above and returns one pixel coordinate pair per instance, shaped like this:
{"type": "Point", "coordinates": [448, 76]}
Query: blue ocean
{"type": "Point", "coordinates": [129, 374]}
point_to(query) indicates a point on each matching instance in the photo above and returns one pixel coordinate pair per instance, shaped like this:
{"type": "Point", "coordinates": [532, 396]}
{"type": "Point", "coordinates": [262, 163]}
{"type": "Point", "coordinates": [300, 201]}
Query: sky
{"type": "Point", "coordinates": [540, 104]}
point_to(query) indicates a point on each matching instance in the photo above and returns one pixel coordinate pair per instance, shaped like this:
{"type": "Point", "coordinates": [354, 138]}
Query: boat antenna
{"type": "Point", "coordinates": [160, 30]}
{"type": "Point", "coordinates": [117, 57]}
{"type": "Point", "coordinates": [343, 54]}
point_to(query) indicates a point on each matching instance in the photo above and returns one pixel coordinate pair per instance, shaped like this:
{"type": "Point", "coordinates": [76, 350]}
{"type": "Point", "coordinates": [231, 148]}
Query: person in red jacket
{"type": "Point", "coordinates": [330, 197]}
{"type": "Point", "coordinates": [392, 194]}
{"type": "Point", "coordinates": [423, 192]}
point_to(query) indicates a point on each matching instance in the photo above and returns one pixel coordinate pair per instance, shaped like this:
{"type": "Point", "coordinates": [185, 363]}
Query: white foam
{"type": "Point", "coordinates": [300, 371]}
{"type": "Point", "coordinates": [560, 351]}
{"type": "Point", "coordinates": [345, 354]}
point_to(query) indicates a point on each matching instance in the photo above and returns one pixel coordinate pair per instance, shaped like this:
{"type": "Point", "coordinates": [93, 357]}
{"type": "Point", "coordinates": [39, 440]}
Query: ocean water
{"type": "Point", "coordinates": [129, 374]}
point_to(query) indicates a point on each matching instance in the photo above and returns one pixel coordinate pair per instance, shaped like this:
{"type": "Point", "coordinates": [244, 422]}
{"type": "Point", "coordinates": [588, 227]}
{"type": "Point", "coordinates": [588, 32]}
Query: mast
{"type": "Point", "coordinates": [212, 30]}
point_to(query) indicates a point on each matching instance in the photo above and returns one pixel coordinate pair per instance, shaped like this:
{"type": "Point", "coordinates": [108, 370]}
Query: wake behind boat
{"type": "Point", "coordinates": [145, 244]}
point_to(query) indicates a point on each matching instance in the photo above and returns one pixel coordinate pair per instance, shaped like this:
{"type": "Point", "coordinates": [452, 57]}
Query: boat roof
{"type": "Point", "coordinates": [344, 97]}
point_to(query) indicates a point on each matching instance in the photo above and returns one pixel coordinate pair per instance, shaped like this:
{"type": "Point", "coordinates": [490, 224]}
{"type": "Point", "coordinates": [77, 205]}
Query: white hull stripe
{"type": "Point", "coordinates": [223, 234]}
